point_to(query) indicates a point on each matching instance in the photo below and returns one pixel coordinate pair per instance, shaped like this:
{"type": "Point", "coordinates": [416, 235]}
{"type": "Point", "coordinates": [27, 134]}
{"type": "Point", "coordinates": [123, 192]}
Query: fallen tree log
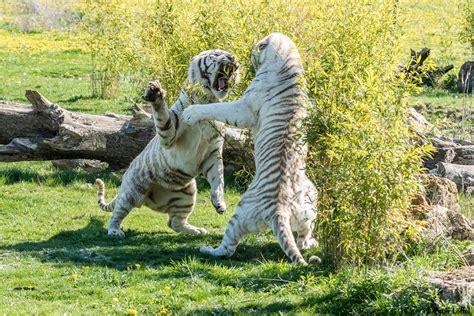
{"type": "Point", "coordinates": [456, 151]}
{"type": "Point", "coordinates": [45, 131]}
{"type": "Point", "coordinates": [416, 72]}
{"type": "Point", "coordinates": [462, 175]}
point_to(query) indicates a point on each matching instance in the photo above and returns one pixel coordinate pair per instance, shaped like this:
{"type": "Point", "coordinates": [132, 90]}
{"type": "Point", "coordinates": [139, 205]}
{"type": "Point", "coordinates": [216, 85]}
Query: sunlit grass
{"type": "Point", "coordinates": [55, 257]}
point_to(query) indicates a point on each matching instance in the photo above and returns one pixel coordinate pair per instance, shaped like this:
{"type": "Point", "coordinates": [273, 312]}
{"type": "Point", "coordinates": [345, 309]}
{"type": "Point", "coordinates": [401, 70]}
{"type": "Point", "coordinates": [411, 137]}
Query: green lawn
{"type": "Point", "coordinates": [55, 257]}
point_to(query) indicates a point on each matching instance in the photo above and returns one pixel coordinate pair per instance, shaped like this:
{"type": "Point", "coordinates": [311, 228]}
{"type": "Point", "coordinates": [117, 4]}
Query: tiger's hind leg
{"type": "Point", "coordinates": [305, 216]}
{"type": "Point", "coordinates": [123, 205]}
{"type": "Point", "coordinates": [132, 193]}
{"type": "Point", "coordinates": [179, 204]}
{"type": "Point", "coordinates": [233, 234]}
{"type": "Point", "coordinates": [305, 239]}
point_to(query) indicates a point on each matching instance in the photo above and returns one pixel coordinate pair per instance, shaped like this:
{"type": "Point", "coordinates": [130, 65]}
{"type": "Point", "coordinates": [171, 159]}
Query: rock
{"type": "Point", "coordinates": [438, 209]}
{"type": "Point", "coordinates": [91, 166]}
{"type": "Point", "coordinates": [440, 191]}
{"type": "Point", "coordinates": [469, 191]}
{"type": "Point", "coordinates": [445, 223]}
{"type": "Point", "coordinates": [462, 175]}
{"type": "Point", "coordinates": [456, 286]}
{"type": "Point", "coordinates": [466, 77]}
{"type": "Point", "coordinates": [469, 256]}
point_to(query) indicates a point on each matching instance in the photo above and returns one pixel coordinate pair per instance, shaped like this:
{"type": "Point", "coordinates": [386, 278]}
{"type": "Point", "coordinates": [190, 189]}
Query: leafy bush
{"type": "Point", "coordinates": [467, 33]}
{"type": "Point", "coordinates": [361, 157]}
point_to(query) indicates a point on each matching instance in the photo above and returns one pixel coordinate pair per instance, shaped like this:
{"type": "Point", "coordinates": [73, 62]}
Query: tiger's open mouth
{"type": "Point", "coordinates": [226, 71]}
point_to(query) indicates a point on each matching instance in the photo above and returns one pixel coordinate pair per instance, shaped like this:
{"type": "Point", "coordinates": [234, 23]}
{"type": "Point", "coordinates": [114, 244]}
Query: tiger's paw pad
{"type": "Point", "coordinates": [154, 92]}
{"type": "Point", "coordinates": [117, 232]}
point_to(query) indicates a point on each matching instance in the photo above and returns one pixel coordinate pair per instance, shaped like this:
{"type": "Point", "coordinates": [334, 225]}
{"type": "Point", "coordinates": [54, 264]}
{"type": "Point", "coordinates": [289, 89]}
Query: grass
{"type": "Point", "coordinates": [61, 74]}
{"type": "Point", "coordinates": [55, 256]}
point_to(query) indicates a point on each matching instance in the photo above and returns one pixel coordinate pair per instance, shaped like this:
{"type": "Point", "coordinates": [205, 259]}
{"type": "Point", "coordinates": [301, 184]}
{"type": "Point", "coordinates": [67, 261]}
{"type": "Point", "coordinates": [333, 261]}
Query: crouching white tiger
{"type": "Point", "coordinates": [280, 196]}
{"type": "Point", "coordinates": [162, 177]}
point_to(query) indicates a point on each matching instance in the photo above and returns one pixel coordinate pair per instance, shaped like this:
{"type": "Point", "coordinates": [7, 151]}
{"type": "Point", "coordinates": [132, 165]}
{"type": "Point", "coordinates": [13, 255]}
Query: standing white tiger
{"type": "Point", "coordinates": [280, 196]}
{"type": "Point", "coordinates": [163, 176]}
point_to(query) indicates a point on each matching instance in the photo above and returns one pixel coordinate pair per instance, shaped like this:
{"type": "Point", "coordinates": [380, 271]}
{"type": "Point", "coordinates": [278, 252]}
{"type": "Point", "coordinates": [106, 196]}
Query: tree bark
{"type": "Point", "coordinates": [462, 175]}
{"type": "Point", "coordinates": [45, 131]}
{"type": "Point", "coordinates": [448, 150]}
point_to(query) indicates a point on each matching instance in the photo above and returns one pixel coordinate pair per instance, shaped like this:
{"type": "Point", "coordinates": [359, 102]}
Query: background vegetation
{"type": "Point", "coordinates": [95, 56]}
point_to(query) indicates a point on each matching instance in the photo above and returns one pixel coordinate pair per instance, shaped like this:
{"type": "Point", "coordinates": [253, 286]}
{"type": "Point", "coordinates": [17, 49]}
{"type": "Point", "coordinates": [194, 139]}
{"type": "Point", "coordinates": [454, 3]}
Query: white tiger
{"type": "Point", "coordinates": [280, 195]}
{"type": "Point", "coordinates": [162, 177]}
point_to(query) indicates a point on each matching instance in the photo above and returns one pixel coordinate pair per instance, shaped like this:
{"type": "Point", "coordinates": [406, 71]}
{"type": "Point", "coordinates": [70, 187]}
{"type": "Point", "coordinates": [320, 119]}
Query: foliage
{"type": "Point", "coordinates": [467, 33]}
{"type": "Point", "coordinates": [34, 16]}
{"type": "Point", "coordinates": [363, 159]}
{"type": "Point", "coordinates": [55, 257]}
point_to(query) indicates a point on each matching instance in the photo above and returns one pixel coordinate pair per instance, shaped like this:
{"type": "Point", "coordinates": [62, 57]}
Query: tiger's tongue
{"type": "Point", "coordinates": [221, 83]}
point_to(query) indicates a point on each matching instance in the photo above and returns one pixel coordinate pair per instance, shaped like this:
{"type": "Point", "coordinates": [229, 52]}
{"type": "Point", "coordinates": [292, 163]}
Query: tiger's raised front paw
{"type": "Point", "coordinates": [190, 115]}
{"type": "Point", "coordinates": [154, 92]}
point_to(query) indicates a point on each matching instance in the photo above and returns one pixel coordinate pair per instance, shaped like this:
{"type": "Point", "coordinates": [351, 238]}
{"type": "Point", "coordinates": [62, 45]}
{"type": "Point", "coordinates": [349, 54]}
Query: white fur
{"type": "Point", "coordinates": [280, 197]}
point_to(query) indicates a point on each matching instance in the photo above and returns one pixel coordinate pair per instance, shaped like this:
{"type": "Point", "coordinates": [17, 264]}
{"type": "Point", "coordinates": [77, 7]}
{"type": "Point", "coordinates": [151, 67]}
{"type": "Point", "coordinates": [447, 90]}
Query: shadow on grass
{"type": "Point", "coordinates": [174, 256]}
{"type": "Point", "coordinates": [12, 175]}
{"type": "Point", "coordinates": [90, 245]}
{"type": "Point", "coordinates": [76, 98]}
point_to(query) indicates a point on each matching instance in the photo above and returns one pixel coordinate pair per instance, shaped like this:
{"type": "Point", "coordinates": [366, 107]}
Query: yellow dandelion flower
{"type": "Point", "coordinates": [132, 311]}
{"type": "Point", "coordinates": [75, 277]}
{"type": "Point", "coordinates": [163, 310]}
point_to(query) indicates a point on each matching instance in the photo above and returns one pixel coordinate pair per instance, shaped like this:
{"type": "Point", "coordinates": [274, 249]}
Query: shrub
{"type": "Point", "coordinates": [361, 155]}
{"type": "Point", "coordinates": [467, 33]}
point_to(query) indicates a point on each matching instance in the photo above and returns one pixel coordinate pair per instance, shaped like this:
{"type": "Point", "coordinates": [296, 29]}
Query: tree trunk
{"type": "Point", "coordinates": [44, 131]}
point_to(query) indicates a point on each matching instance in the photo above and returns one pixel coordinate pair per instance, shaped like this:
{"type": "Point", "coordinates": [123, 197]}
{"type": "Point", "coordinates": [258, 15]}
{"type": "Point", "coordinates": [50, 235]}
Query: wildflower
{"type": "Point", "coordinates": [75, 277]}
{"type": "Point", "coordinates": [132, 311]}
{"type": "Point", "coordinates": [135, 266]}
{"type": "Point", "coordinates": [166, 290]}
{"type": "Point", "coordinates": [164, 310]}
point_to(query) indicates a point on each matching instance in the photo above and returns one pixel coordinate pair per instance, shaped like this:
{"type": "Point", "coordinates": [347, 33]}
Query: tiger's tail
{"type": "Point", "coordinates": [104, 206]}
{"type": "Point", "coordinates": [282, 230]}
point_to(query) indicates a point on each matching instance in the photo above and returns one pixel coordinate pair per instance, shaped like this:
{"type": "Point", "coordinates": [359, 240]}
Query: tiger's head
{"type": "Point", "coordinates": [271, 49]}
{"type": "Point", "coordinates": [216, 71]}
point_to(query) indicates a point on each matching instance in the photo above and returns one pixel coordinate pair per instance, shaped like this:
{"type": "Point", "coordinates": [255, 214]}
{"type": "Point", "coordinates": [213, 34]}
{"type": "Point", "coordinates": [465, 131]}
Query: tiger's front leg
{"type": "Point", "coordinates": [213, 170]}
{"type": "Point", "coordinates": [236, 113]}
{"type": "Point", "coordinates": [163, 119]}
